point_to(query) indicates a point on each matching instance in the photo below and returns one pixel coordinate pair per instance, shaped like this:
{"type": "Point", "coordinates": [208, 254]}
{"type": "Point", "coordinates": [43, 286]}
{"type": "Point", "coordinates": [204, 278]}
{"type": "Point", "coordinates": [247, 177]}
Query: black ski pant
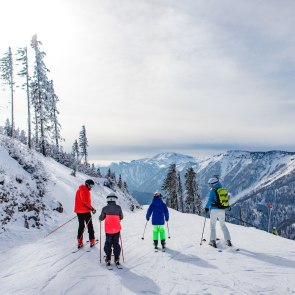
{"type": "Point", "coordinates": [83, 220]}
{"type": "Point", "coordinates": [112, 240]}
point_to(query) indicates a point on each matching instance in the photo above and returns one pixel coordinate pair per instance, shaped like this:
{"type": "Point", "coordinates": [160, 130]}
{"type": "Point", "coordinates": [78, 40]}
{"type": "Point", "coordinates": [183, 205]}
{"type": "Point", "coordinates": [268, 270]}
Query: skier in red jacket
{"type": "Point", "coordinates": [83, 208]}
{"type": "Point", "coordinates": [112, 214]}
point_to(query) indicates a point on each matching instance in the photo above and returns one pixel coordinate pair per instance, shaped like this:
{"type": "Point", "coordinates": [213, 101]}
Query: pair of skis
{"type": "Point", "coordinates": [89, 250]}
{"type": "Point", "coordinates": [157, 249]}
{"type": "Point", "coordinates": [220, 250]}
{"type": "Point", "coordinates": [110, 266]}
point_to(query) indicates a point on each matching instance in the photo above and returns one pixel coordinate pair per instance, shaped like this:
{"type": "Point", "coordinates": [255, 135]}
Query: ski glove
{"type": "Point", "coordinates": [93, 211]}
{"type": "Point", "coordinates": [206, 210]}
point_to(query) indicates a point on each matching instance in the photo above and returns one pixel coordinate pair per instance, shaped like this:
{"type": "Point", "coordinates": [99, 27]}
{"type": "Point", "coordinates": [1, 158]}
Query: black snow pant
{"type": "Point", "coordinates": [83, 220]}
{"type": "Point", "coordinates": [112, 240]}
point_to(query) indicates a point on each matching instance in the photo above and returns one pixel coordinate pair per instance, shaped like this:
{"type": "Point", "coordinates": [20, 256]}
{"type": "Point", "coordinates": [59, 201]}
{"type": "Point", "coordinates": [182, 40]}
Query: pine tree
{"type": "Point", "coordinates": [98, 172]}
{"type": "Point", "coordinates": [22, 57]}
{"type": "Point", "coordinates": [6, 67]}
{"type": "Point", "coordinates": [180, 193]}
{"type": "Point", "coordinates": [170, 187]}
{"type": "Point", "coordinates": [7, 128]}
{"type": "Point", "coordinates": [83, 144]}
{"type": "Point", "coordinates": [125, 187]}
{"type": "Point", "coordinates": [120, 183]}
{"type": "Point", "coordinates": [75, 150]}
{"type": "Point", "coordinates": [23, 138]}
{"type": "Point", "coordinates": [109, 174]}
{"type": "Point", "coordinates": [39, 96]}
{"type": "Point", "coordinates": [193, 197]}
{"type": "Point", "coordinates": [53, 112]}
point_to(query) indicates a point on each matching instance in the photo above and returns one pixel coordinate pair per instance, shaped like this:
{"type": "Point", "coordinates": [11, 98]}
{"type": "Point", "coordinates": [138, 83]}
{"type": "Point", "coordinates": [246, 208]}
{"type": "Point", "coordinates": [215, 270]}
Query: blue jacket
{"type": "Point", "coordinates": [212, 197]}
{"type": "Point", "coordinates": [159, 209]}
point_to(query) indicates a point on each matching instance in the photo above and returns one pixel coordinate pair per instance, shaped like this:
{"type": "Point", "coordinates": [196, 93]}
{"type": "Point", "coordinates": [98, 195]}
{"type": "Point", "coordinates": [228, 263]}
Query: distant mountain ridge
{"type": "Point", "coordinates": [247, 175]}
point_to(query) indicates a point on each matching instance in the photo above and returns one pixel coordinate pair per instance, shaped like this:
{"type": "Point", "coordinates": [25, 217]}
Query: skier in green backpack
{"type": "Point", "coordinates": [217, 203]}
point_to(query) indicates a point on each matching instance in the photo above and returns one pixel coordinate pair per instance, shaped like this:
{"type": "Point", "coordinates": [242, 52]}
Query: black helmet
{"type": "Point", "coordinates": [111, 197]}
{"type": "Point", "coordinates": [89, 182]}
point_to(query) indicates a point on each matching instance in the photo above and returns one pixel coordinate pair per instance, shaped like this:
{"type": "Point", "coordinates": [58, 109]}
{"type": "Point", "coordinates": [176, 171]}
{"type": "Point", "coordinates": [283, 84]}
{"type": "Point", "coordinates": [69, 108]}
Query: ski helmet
{"type": "Point", "coordinates": [89, 183]}
{"type": "Point", "coordinates": [111, 197]}
{"type": "Point", "coordinates": [213, 180]}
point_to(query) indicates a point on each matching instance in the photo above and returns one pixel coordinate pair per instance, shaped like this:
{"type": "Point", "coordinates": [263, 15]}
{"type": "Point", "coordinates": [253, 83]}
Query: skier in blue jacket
{"type": "Point", "coordinates": [160, 214]}
{"type": "Point", "coordinates": [216, 213]}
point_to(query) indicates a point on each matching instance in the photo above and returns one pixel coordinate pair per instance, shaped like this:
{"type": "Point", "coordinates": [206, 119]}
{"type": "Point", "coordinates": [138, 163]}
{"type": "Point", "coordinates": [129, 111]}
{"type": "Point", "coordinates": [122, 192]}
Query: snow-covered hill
{"type": "Point", "coordinates": [38, 193]}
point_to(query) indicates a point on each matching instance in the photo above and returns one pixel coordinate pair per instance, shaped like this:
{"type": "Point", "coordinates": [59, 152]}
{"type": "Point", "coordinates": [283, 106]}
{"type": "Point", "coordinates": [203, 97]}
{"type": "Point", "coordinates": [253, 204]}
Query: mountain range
{"type": "Point", "coordinates": [255, 180]}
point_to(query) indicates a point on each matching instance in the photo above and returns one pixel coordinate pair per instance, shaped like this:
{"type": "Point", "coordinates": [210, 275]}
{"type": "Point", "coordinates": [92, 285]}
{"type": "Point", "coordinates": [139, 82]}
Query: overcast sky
{"type": "Point", "coordinates": [147, 76]}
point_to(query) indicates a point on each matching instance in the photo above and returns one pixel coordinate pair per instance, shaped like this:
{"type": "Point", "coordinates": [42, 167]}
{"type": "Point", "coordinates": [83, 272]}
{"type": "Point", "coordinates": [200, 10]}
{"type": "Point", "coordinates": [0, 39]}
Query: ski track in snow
{"type": "Point", "coordinates": [48, 266]}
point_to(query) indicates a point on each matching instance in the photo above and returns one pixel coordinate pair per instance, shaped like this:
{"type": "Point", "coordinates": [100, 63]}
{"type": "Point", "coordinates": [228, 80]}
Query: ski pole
{"type": "Point", "coordinates": [203, 229]}
{"type": "Point", "coordinates": [144, 230]}
{"type": "Point", "coordinates": [85, 228]}
{"type": "Point", "coordinates": [168, 231]}
{"type": "Point", "coordinates": [122, 247]}
{"type": "Point", "coordinates": [60, 227]}
{"type": "Point", "coordinates": [100, 241]}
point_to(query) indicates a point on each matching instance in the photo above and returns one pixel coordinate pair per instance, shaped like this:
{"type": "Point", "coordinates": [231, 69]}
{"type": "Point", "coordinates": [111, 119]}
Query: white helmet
{"type": "Point", "coordinates": [213, 180]}
{"type": "Point", "coordinates": [111, 197]}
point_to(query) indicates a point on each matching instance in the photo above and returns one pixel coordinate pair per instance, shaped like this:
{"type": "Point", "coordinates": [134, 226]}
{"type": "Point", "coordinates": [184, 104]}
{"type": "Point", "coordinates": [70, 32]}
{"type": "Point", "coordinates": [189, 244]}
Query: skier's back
{"type": "Point", "coordinates": [159, 211]}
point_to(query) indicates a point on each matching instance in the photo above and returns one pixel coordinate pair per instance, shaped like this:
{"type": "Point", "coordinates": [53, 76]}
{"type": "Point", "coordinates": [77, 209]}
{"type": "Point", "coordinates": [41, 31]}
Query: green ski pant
{"type": "Point", "coordinates": [158, 229]}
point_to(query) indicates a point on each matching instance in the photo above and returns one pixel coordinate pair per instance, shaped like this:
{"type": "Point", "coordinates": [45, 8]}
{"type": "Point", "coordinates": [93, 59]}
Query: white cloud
{"type": "Point", "coordinates": [184, 72]}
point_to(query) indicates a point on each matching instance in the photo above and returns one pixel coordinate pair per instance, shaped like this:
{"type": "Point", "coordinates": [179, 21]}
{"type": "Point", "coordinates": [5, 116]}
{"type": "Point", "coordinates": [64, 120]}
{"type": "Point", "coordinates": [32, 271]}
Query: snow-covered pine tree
{"type": "Point", "coordinates": [75, 150]}
{"type": "Point", "coordinates": [98, 172]}
{"type": "Point", "coordinates": [108, 174]}
{"type": "Point", "coordinates": [53, 112]}
{"type": "Point", "coordinates": [6, 67]}
{"type": "Point", "coordinates": [7, 128]}
{"type": "Point", "coordinates": [170, 186]}
{"type": "Point", "coordinates": [120, 183]}
{"type": "Point", "coordinates": [39, 96]}
{"type": "Point", "coordinates": [193, 198]}
{"type": "Point", "coordinates": [22, 57]}
{"type": "Point", "coordinates": [83, 144]}
{"type": "Point", "coordinates": [23, 138]}
{"type": "Point", "coordinates": [125, 187]}
{"type": "Point", "coordinates": [180, 193]}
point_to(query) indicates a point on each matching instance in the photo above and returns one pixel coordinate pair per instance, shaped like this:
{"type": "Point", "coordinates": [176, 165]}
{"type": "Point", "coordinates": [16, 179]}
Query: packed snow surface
{"type": "Point", "coordinates": [265, 263]}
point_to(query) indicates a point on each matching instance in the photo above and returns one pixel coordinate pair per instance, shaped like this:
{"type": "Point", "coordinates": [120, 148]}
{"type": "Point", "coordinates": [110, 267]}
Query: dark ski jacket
{"type": "Point", "coordinates": [159, 210]}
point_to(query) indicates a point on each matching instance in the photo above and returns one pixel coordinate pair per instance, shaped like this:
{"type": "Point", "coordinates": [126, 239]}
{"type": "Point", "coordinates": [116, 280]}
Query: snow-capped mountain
{"type": "Point", "coordinates": [262, 177]}
{"type": "Point", "coordinates": [147, 175]}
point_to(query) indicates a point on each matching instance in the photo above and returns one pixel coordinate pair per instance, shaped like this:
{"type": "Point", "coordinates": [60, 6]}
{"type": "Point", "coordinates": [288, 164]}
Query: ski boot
{"type": "Point", "coordinates": [108, 260]}
{"type": "Point", "coordinates": [228, 243]}
{"type": "Point", "coordinates": [163, 244]}
{"type": "Point", "coordinates": [213, 243]}
{"type": "Point", "coordinates": [80, 243]}
{"type": "Point", "coordinates": [117, 260]}
{"type": "Point", "coordinates": [92, 242]}
{"type": "Point", "coordinates": [156, 244]}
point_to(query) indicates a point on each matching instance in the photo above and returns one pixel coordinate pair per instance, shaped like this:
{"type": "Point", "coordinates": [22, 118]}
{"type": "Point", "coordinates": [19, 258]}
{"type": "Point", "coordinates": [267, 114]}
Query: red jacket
{"type": "Point", "coordinates": [83, 200]}
{"type": "Point", "coordinates": [112, 213]}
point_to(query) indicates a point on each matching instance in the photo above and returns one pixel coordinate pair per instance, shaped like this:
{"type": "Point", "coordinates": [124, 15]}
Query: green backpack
{"type": "Point", "coordinates": [221, 198]}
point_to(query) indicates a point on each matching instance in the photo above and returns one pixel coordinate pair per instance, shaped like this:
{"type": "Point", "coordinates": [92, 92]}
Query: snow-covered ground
{"type": "Point", "coordinates": [265, 263]}
{"type": "Point", "coordinates": [32, 264]}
